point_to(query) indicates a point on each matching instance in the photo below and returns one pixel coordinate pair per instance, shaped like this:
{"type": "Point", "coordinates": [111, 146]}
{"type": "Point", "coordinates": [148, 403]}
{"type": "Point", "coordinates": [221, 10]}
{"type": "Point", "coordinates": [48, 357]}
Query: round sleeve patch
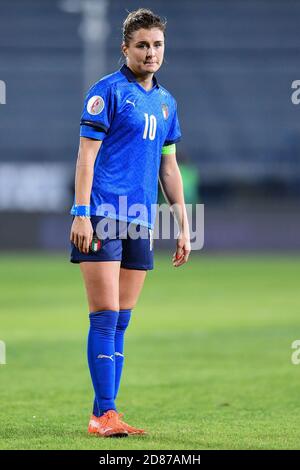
{"type": "Point", "coordinates": [95, 105]}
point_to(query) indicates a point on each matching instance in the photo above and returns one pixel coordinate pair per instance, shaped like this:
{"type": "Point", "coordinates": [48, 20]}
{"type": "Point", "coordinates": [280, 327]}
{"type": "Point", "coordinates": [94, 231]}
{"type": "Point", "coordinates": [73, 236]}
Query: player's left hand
{"type": "Point", "coordinates": [183, 250]}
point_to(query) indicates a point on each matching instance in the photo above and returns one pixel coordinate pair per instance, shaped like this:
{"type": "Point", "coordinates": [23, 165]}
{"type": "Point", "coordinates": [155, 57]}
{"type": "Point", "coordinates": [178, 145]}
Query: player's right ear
{"type": "Point", "coordinates": [124, 49]}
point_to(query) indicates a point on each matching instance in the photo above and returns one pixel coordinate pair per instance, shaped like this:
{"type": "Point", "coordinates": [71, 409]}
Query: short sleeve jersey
{"type": "Point", "coordinates": [134, 125]}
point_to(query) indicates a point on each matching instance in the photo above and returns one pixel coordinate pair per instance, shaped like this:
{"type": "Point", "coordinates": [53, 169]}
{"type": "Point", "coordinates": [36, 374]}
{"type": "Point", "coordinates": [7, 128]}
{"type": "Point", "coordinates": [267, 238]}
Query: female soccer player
{"type": "Point", "coordinates": [129, 128]}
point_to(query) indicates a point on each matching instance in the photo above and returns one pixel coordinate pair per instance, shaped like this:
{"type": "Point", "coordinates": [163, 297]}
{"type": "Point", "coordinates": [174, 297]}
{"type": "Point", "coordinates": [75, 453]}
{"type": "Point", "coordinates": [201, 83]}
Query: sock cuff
{"type": "Point", "coordinates": [101, 312]}
{"type": "Point", "coordinates": [104, 320]}
{"type": "Point", "coordinates": [123, 320]}
{"type": "Point", "coordinates": [126, 310]}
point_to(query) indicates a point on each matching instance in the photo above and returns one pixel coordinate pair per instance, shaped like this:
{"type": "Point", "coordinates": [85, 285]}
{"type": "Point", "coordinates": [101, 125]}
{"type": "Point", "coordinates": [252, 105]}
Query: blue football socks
{"type": "Point", "coordinates": [122, 323]}
{"type": "Point", "coordinates": [101, 358]}
{"type": "Point", "coordinates": [123, 320]}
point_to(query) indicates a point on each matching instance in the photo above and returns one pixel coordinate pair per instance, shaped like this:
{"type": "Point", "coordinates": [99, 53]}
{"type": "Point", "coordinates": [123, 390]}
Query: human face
{"type": "Point", "coordinates": [145, 52]}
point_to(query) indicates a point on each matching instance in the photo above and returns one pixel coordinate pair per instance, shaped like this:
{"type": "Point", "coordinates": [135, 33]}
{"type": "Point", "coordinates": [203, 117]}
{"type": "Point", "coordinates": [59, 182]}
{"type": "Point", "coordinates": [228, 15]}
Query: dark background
{"type": "Point", "coordinates": [230, 66]}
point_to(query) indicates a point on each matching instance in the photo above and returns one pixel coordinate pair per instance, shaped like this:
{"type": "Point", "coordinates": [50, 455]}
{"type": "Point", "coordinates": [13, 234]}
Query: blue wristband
{"type": "Point", "coordinates": [84, 211]}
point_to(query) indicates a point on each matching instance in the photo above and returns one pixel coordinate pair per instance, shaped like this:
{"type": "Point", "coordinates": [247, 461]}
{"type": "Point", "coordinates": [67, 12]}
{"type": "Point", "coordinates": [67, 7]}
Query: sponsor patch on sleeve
{"type": "Point", "coordinates": [95, 105]}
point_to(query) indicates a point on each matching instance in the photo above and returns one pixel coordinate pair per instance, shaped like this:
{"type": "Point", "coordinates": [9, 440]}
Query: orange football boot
{"type": "Point", "coordinates": [94, 426]}
{"type": "Point", "coordinates": [107, 425]}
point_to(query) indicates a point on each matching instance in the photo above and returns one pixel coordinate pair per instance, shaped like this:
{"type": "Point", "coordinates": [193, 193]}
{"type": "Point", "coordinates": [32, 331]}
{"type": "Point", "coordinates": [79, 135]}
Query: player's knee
{"type": "Point", "coordinates": [100, 307]}
{"type": "Point", "coordinates": [127, 305]}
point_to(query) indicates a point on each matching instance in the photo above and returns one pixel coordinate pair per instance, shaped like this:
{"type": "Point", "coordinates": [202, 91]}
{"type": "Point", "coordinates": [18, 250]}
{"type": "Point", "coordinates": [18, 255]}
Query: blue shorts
{"type": "Point", "coordinates": [118, 246]}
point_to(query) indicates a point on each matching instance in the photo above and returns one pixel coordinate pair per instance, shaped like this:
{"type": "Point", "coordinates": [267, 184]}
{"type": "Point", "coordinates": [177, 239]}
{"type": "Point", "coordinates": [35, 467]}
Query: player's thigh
{"type": "Point", "coordinates": [102, 284]}
{"type": "Point", "coordinates": [131, 284]}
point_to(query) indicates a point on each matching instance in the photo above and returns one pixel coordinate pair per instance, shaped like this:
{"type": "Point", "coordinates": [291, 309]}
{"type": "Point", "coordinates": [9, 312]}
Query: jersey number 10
{"type": "Point", "coordinates": [150, 126]}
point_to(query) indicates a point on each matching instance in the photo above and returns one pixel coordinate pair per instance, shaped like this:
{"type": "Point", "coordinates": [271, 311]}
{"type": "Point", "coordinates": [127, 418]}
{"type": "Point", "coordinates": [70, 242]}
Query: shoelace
{"type": "Point", "coordinates": [108, 415]}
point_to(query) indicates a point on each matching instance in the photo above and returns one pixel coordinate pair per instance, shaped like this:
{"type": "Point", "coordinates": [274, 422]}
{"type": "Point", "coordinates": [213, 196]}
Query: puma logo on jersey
{"type": "Point", "coordinates": [130, 102]}
{"type": "Point", "coordinates": [103, 356]}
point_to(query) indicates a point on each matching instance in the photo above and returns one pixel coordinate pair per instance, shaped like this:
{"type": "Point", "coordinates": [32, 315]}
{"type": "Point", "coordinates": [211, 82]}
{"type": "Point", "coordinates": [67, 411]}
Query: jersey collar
{"type": "Point", "coordinates": [132, 78]}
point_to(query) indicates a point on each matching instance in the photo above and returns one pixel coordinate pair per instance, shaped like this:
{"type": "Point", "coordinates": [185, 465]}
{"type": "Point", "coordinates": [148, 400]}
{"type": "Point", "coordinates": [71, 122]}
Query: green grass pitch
{"type": "Point", "coordinates": [208, 355]}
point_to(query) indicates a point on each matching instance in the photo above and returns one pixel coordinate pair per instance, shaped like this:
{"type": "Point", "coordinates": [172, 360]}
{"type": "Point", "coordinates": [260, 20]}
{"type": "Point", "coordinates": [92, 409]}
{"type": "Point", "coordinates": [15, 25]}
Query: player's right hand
{"type": "Point", "coordinates": [82, 233]}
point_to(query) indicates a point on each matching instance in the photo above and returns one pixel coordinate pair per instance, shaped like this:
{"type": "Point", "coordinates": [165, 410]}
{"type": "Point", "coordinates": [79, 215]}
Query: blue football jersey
{"type": "Point", "coordinates": [134, 125]}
